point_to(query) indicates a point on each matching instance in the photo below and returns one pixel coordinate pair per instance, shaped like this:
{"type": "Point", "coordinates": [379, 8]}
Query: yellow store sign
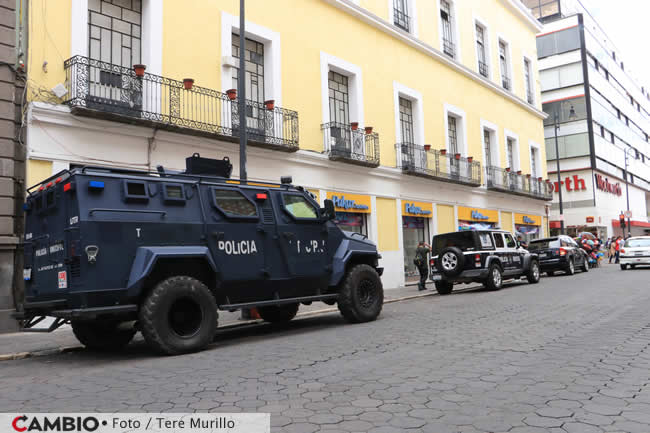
{"type": "Point", "coordinates": [531, 220]}
{"type": "Point", "coordinates": [478, 215]}
{"type": "Point", "coordinates": [417, 209]}
{"type": "Point", "coordinates": [356, 203]}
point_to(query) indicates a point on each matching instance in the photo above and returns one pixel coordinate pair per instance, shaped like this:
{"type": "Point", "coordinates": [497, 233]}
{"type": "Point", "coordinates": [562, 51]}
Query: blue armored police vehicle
{"type": "Point", "coordinates": [114, 251]}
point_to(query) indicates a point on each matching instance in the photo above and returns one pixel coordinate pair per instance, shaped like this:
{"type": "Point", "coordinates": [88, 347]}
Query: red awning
{"type": "Point", "coordinates": [616, 223]}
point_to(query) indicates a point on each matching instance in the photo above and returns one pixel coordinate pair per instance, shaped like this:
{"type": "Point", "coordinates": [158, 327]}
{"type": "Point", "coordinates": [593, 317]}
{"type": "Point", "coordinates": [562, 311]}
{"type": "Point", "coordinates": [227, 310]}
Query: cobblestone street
{"type": "Point", "coordinates": [570, 354]}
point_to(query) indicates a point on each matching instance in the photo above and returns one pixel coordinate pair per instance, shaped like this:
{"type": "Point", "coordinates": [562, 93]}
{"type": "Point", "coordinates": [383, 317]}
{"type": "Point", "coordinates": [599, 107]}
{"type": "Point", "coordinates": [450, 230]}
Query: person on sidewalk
{"type": "Point", "coordinates": [421, 261]}
{"type": "Point", "coordinates": [619, 245]}
{"type": "Point", "coordinates": [611, 249]}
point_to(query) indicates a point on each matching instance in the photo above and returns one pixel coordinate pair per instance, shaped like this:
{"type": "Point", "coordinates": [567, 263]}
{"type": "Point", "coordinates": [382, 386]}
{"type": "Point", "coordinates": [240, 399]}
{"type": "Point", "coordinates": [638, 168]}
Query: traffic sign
{"type": "Point", "coordinates": [628, 214]}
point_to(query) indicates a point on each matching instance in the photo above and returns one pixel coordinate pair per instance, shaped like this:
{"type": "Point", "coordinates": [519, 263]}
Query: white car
{"type": "Point", "coordinates": [635, 251]}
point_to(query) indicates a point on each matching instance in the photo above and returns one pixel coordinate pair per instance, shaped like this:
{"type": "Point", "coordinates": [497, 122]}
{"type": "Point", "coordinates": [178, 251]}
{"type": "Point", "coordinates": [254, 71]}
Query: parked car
{"type": "Point", "coordinates": [485, 256]}
{"type": "Point", "coordinates": [635, 251]}
{"type": "Point", "coordinates": [559, 253]}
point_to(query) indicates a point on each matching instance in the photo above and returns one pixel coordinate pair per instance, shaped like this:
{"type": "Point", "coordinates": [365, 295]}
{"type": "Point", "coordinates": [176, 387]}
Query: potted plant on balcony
{"type": "Point", "coordinates": [519, 172]}
{"type": "Point", "coordinates": [188, 83]}
{"type": "Point", "coordinates": [139, 70]}
{"type": "Point", "coordinates": [368, 129]}
{"type": "Point", "coordinates": [470, 158]}
{"type": "Point", "coordinates": [232, 94]}
{"type": "Point", "coordinates": [443, 152]}
{"type": "Point", "coordinates": [457, 156]}
{"type": "Point", "coordinates": [427, 147]}
{"type": "Point", "coordinates": [528, 175]}
{"type": "Point", "coordinates": [508, 169]}
{"type": "Point", "coordinates": [269, 104]}
{"type": "Point", "coordinates": [354, 125]}
{"type": "Point", "coordinates": [539, 179]}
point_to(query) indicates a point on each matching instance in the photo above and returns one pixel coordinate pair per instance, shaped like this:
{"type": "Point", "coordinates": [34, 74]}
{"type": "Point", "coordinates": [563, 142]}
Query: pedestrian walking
{"type": "Point", "coordinates": [421, 261]}
{"type": "Point", "coordinates": [619, 245]}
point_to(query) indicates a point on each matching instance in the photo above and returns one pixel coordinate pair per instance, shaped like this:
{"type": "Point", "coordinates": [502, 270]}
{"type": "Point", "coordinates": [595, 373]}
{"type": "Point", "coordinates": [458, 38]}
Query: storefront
{"type": "Point", "coordinates": [352, 211]}
{"type": "Point", "coordinates": [529, 227]}
{"type": "Point", "coordinates": [415, 228]}
{"type": "Point", "coordinates": [477, 219]}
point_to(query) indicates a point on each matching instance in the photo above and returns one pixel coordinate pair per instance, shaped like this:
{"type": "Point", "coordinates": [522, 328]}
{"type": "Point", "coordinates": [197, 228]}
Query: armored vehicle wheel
{"type": "Point", "coordinates": [361, 295]}
{"type": "Point", "coordinates": [533, 273]}
{"type": "Point", "coordinates": [101, 336]}
{"type": "Point", "coordinates": [278, 313]}
{"type": "Point", "coordinates": [494, 279]}
{"type": "Point", "coordinates": [179, 315]}
{"type": "Point", "coordinates": [444, 287]}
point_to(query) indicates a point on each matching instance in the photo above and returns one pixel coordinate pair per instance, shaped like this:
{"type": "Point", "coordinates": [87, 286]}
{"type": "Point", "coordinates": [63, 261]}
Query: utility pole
{"type": "Point", "coordinates": [627, 195]}
{"type": "Point", "coordinates": [559, 180]}
{"type": "Point", "coordinates": [241, 92]}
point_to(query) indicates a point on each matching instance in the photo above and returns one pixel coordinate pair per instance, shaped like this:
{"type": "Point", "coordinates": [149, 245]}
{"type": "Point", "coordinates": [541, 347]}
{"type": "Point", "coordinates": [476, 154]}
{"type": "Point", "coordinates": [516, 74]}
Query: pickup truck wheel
{"type": "Point", "coordinates": [494, 279]}
{"type": "Point", "coordinates": [278, 313]}
{"type": "Point", "coordinates": [101, 336]}
{"type": "Point", "coordinates": [571, 268]}
{"type": "Point", "coordinates": [361, 295]}
{"type": "Point", "coordinates": [533, 273]}
{"type": "Point", "coordinates": [179, 316]}
{"type": "Point", "coordinates": [444, 287]}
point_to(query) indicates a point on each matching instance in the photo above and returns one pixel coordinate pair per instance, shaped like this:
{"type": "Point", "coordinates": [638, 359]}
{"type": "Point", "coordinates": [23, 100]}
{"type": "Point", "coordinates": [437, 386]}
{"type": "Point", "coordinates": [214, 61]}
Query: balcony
{"type": "Point", "coordinates": [415, 160]}
{"type": "Point", "coordinates": [107, 91]}
{"type": "Point", "coordinates": [401, 20]}
{"type": "Point", "coordinates": [502, 180]}
{"type": "Point", "coordinates": [354, 146]}
{"type": "Point", "coordinates": [483, 69]}
{"type": "Point", "coordinates": [448, 47]}
{"type": "Point", "coordinates": [505, 82]}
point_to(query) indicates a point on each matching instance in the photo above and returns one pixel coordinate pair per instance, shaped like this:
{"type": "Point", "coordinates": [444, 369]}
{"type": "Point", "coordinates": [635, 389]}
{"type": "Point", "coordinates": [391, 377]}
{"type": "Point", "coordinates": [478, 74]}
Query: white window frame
{"type": "Point", "coordinates": [272, 55]}
{"type": "Point", "coordinates": [486, 45]}
{"type": "Point", "coordinates": [461, 130]}
{"type": "Point", "coordinates": [495, 144]}
{"type": "Point", "coordinates": [413, 29]}
{"type": "Point", "coordinates": [509, 74]}
{"type": "Point", "coordinates": [531, 78]}
{"type": "Point", "coordinates": [355, 86]}
{"type": "Point", "coordinates": [538, 159]}
{"type": "Point", "coordinates": [402, 91]}
{"type": "Point", "coordinates": [516, 155]}
{"type": "Point", "coordinates": [151, 36]}
{"type": "Point", "coordinates": [454, 28]}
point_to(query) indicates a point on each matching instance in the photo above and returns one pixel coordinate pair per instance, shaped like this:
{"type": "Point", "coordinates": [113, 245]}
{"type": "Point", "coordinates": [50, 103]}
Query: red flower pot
{"type": "Point", "coordinates": [232, 94]}
{"type": "Point", "coordinates": [368, 129]}
{"type": "Point", "coordinates": [539, 179]}
{"type": "Point", "coordinates": [443, 151]}
{"type": "Point", "coordinates": [354, 125]}
{"type": "Point", "coordinates": [519, 172]}
{"type": "Point", "coordinates": [528, 175]}
{"type": "Point", "coordinates": [427, 147]}
{"type": "Point", "coordinates": [470, 158]}
{"type": "Point", "coordinates": [188, 83]}
{"type": "Point", "coordinates": [139, 70]}
{"type": "Point", "coordinates": [508, 169]}
{"type": "Point", "coordinates": [270, 104]}
{"type": "Point", "coordinates": [457, 155]}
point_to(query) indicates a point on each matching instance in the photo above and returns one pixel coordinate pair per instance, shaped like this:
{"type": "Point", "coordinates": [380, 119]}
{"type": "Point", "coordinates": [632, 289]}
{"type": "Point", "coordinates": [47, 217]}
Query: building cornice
{"type": "Point", "coordinates": [518, 8]}
{"type": "Point", "coordinates": [364, 15]}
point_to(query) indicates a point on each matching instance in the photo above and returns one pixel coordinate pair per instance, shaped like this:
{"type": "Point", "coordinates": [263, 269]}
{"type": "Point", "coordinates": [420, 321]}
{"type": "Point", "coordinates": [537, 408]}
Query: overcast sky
{"type": "Point", "coordinates": [626, 24]}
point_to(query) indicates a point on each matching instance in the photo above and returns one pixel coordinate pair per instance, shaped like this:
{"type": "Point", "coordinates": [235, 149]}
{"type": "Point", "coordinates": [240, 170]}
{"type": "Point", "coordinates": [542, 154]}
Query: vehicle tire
{"type": "Point", "coordinates": [550, 273]}
{"type": "Point", "coordinates": [451, 261]}
{"type": "Point", "coordinates": [361, 294]}
{"type": "Point", "coordinates": [632, 266]}
{"type": "Point", "coordinates": [444, 287]}
{"type": "Point", "coordinates": [101, 336]}
{"type": "Point", "coordinates": [278, 313]}
{"type": "Point", "coordinates": [571, 268]}
{"type": "Point", "coordinates": [533, 273]}
{"type": "Point", "coordinates": [623, 267]}
{"type": "Point", "coordinates": [179, 316]}
{"type": "Point", "coordinates": [585, 265]}
{"type": "Point", "coordinates": [494, 280]}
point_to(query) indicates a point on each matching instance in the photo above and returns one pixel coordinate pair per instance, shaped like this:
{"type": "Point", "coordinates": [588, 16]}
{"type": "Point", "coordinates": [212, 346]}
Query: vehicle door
{"type": "Point", "coordinates": [500, 250]}
{"type": "Point", "coordinates": [577, 252]}
{"type": "Point", "coordinates": [233, 219]}
{"type": "Point", "coordinates": [516, 254]}
{"type": "Point", "coordinates": [303, 238]}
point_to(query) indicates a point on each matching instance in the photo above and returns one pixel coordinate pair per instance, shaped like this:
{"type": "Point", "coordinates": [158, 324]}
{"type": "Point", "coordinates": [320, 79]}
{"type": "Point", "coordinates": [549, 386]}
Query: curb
{"type": "Point", "coordinates": [66, 349]}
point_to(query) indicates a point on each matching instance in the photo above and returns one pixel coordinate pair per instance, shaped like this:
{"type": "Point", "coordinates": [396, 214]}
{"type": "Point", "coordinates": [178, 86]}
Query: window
{"type": "Point", "coordinates": [49, 198]}
{"type": "Point", "coordinates": [510, 242]}
{"type": "Point", "coordinates": [558, 42]}
{"type": "Point", "coordinates": [527, 79]}
{"type": "Point", "coordinates": [406, 120]}
{"type": "Point", "coordinates": [563, 108]}
{"type": "Point", "coordinates": [543, 8]}
{"type": "Point", "coordinates": [173, 194]}
{"type": "Point", "coordinates": [487, 144]}
{"type": "Point", "coordinates": [135, 188]}
{"type": "Point", "coordinates": [253, 80]}
{"type": "Point", "coordinates": [510, 153]}
{"type": "Point", "coordinates": [339, 98]}
{"type": "Point", "coordinates": [486, 240]}
{"type": "Point", "coordinates": [234, 203]}
{"type": "Point", "coordinates": [534, 153]}
{"type": "Point", "coordinates": [480, 51]}
{"type": "Point", "coordinates": [503, 61]}
{"type": "Point", "coordinates": [453, 135]}
{"type": "Point", "coordinates": [114, 31]}
{"type": "Point", "coordinates": [135, 191]}
{"type": "Point", "coordinates": [570, 146]}
{"type": "Point", "coordinates": [401, 14]}
{"type": "Point", "coordinates": [498, 240]}
{"type": "Point", "coordinates": [299, 207]}
{"type": "Point", "coordinates": [448, 46]}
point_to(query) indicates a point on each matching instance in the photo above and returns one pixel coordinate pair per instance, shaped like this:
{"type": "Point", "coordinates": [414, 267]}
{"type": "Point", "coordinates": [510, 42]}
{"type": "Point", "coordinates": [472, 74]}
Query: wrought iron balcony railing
{"type": "Point", "coordinates": [414, 159]}
{"type": "Point", "coordinates": [529, 97]}
{"type": "Point", "coordinates": [114, 92]}
{"type": "Point", "coordinates": [342, 143]}
{"type": "Point", "coordinates": [448, 47]}
{"type": "Point", "coordinates": [402, 20]}
{"type": "Point", "coordinates": [505, 82]}
{"type": "Point", "coordinates": [483, 69]}
{"type": "Point", "coordinates": [502, 180]}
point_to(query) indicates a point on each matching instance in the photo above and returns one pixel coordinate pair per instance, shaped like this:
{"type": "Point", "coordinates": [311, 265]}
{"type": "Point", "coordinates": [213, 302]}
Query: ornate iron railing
{"type": "Point", "coordinates": [414, 159]}
{"type": "Point", "coordinates": [401, 20]}
{"type": "Point", "coordinates": [448, 47]}
{"type": "Point", "coordinates": [104, 88]}
{"type": "Point", "coordinates": [483, 68]}
{"type": "Point", "coordinates": [342, 143]}
{"type": "Point", "coordinates": [502, 180]}
{"type": "Point", "coordinates": [505, 82]}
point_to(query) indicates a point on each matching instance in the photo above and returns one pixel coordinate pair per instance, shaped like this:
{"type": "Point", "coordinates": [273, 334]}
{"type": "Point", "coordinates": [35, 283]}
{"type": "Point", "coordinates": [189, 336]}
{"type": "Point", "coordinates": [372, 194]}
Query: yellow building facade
{"type": "Point", "coordinates": [449, 88]}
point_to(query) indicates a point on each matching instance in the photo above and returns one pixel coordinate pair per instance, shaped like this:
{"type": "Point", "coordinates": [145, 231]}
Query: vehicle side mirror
{"type": "Point", "coordinates": [328, 211]}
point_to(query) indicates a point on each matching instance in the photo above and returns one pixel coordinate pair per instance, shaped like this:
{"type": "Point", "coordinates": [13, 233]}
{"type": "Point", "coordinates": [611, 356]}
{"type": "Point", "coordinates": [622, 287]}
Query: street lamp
{"type": "Point", "coordinates": [241, 92]}
{"type": "Point", "coordinates": [556, 121]}
{"type": "Point", "coordinates": [627, 193]}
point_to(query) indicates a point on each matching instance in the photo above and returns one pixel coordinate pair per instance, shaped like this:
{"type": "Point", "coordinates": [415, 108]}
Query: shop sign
{"type": "Point", "coordinates": [575, 183]}
{"type": "Point", "coordinates": [602, 183]}
{"type": "Point", "coordinates": [473, 214]}
{"type": "Point", "coordinates": [590, 219]}
{"type": "Point", "coordinates": [530, 220]}
{"type": "Point", "coordinates": [417, 209]}
{"type": "Point", "coordinates": [350, 202]}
